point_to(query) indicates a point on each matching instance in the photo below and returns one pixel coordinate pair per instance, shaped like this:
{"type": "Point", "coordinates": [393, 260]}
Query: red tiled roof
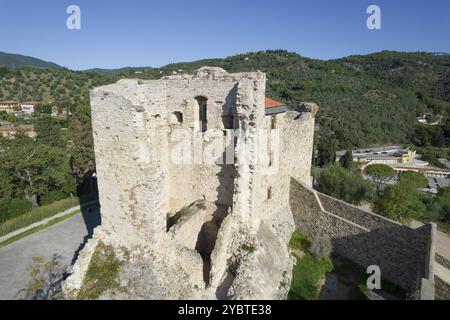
{"type": "Point", "coordinates": [270, 103]}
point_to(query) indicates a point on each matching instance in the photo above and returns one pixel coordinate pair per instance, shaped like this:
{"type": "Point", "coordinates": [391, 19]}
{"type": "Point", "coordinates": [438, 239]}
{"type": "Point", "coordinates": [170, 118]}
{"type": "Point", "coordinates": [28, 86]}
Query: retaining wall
{"type": "Point", "coordinates": [404, 255]}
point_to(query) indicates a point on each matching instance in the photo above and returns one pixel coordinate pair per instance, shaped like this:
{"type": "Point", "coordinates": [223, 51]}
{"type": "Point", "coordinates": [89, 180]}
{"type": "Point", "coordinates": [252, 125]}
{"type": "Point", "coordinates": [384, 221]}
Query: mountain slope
{"type": "Point", "coordinates": [16, 60]}
{"type": "Point", "coordinates": [364, 100]}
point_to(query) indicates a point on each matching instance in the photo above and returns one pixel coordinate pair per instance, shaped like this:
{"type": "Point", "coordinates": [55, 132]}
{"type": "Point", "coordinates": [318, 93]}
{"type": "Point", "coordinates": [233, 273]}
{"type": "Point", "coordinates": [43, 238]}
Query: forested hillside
{"type": "Point", "coordinates": [16, 60]}
{"type": "Point", "coordinates": [56, 86]}
{"type": "Point", "coordinates": [364, 100]}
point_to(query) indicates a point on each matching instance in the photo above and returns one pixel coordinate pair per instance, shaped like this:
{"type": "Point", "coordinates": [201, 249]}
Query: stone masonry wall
{"type": "Point", "coordinates": [144, 181]}
{"type": "Point", "coordinates": [403, 255]}
{"type": "Point", "coordinates": [442, 289]}
{"type": "Point", "coordinates": [442, 260]}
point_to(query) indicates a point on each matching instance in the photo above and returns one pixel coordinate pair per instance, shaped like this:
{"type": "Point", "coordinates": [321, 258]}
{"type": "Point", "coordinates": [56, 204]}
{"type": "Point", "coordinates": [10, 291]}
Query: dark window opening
{"type": "Point", "coordinates": [269, 193]}
{"type": "Point", "coordinates": [228, 122]}
{"type": "Point", "coordinates": [203, 117]}
{"type": "Point", "coordinates": [179, 116]}
{"type": "Point", "coordinates": [273, 122]}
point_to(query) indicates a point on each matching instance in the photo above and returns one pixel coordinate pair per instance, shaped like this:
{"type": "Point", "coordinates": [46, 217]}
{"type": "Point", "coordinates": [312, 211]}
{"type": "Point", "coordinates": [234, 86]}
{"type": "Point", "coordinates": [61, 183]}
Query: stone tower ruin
{"type": "Point", "coordinates": [194, 174]}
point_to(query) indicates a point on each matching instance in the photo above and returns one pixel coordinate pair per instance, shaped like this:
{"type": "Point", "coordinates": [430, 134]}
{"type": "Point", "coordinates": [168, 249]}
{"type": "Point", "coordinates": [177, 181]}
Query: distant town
{"type": "Point", "coordinates": [403, 159]}
{"type": "Point", "coordinates": [16, 116]}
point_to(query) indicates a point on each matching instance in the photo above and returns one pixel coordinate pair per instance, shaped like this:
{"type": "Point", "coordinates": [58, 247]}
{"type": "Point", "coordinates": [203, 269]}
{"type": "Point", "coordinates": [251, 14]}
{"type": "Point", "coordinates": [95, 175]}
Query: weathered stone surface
{"type": "Point", "coordinates": [442, 289]}
{"type": "Point", "coordinates": [195, 228]}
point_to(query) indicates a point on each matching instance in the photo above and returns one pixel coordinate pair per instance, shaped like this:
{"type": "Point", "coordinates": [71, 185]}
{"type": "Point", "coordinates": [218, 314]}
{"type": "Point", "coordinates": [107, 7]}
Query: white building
{"type": "Point", "coordinates": [28, 106]}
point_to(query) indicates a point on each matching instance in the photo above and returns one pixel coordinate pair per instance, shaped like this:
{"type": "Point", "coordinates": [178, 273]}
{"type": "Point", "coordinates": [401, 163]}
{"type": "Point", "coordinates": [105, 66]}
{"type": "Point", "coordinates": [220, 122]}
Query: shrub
{"type": "Point", "coordinates": [343, 184]}
{"type": "Point", "coordinates": [380, 174]}
{"type": "Point", "coordinates": [14, 208]}
{"type": "Point", "coordinates": [52, 197]}
{"type": "Point", "coordinates": [298, 241]}
{"type": "Point", "coordinates": [248, 247]}
{"type": "Point", "coordinates": [321, 247]}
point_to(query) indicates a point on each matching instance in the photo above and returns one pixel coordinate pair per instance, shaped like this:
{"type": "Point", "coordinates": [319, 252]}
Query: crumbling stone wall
{"type": "Point", "coordinates": [404, 255]}
{"type": "Point", "coordinates": [146, 135]}
{"type": "Point", "coordinates": [442, 287]}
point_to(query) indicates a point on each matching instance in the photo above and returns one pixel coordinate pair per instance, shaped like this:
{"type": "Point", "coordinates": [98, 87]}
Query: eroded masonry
{"type": "Point", "coordinates": [195, 176]}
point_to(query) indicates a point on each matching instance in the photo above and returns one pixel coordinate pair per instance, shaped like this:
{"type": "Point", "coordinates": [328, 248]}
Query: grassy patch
{"type": "Point", "coordinates": [307, 273]}
{"type": "Point", "coordinates": [355, 276]}
{"type": "Point", "coordinates": [309, 270]}
{"type": "Point", "coordinates": [299, 241]}
{"type": "Point", "coordinates": [37, 214]}
{"type": "Point", "coordinates": [101, 275]}
{"type": "Point", "coordinates": [38, 228]}
{"type": "Point", "coordinates": [248, 247]}
{"type": "Point", "coordinates": [352, 275]}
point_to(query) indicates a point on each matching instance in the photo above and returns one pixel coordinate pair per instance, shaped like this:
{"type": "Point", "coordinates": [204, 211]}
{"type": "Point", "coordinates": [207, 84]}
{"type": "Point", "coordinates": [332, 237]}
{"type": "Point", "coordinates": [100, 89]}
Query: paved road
{"type": "Point", "coordinates": [64, 239]}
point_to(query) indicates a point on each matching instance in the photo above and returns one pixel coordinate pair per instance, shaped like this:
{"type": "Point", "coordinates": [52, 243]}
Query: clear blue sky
{"type": "Point", "coordinates": [120, 33]}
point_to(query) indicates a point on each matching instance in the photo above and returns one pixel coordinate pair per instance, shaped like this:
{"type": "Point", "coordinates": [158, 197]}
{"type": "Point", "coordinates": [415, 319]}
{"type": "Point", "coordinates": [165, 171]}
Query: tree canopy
{"type": "Point", "coordinates": [402, 201]}
{"type": "Point", "coordinates": [380, 174]}
{"type": "Point", "coordinates": [32, 169]}
{"type": "Point", "coordinates": [346, 161]}
{"type": "Point", "coordinates": [344, 184]}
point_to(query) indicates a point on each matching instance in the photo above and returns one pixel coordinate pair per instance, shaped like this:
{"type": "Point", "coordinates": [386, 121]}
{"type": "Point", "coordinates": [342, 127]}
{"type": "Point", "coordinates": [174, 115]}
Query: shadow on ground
{"type": "Point", "coordinates": [92, 219]}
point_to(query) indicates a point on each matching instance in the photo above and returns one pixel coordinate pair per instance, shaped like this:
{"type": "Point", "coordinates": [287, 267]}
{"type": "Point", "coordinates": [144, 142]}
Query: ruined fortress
{"type": "Point", "coordinates": [202, 181]}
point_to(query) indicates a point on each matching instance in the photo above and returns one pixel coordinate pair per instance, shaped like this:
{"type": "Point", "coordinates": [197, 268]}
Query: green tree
{"type": "Point", "coordinates": [443, 199]}
{"type": "Point", "coordinates": [429, 153]}
{"type": "Point", "coordinates": [6, 194]}
{"type": "Point", "coordinates": [438, 207]}
{"type": "Point", "coordinates": [346, 160]}
{"type": "Point", "coordinates": [36, 168]}
{"type": "Point", "coordinates": [43, 109]}
{"type": "Point", "coordinates": [11, 118]}
{"type": "Point", "coordinates": [413, 179]}
{"type": "Point", "coordinates": [344, 184]}
{"type": "Point", "coordinates": [326, 152]}
{"type": "Point", "coordinates": [82, 159]}
{"type": "Point", "coordinates": [400, 202]}
{"type": "Point", "coordinates": [380, 174]}
{"type": "Point", "coordinates": [48, 131]}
